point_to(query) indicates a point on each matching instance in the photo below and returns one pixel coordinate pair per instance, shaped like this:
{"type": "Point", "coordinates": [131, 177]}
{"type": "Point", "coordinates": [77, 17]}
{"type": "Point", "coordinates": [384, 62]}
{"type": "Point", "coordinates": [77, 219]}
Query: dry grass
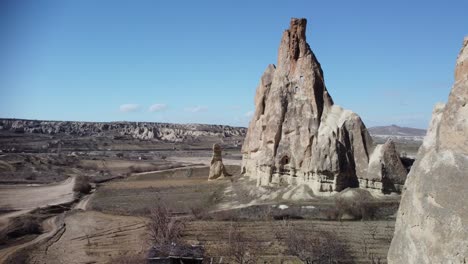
{"type": "Point", "coordinates": [322, 247]}
{"type": "Point", "coordinates": [128, 259]}
{"type": "Point", "coordinates": [344, 239]}
{"type": "Point", "coordinates": [179, 189]}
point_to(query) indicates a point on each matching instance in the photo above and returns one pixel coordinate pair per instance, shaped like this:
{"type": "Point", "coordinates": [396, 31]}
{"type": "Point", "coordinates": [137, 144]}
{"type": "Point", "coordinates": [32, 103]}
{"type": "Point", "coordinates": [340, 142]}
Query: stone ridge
{"type": "Point", "coordinates": [461, 68]}
{"type": "Point", "coordinates": [297, 135]}
{"type": "Point", "coordinates": [141, 130]}
{"type": "Point", "coordinates": [432, 220]}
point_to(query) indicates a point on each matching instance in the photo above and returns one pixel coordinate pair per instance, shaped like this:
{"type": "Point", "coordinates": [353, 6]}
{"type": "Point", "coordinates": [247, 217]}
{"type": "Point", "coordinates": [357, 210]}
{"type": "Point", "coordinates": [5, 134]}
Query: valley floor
{"type": "Point", "coordinates": [109, 225]}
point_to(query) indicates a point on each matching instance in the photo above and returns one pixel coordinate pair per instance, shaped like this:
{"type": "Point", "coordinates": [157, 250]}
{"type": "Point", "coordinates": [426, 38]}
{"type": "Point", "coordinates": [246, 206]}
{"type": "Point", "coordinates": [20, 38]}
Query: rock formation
{"type": "Point", "coordinates": [139, 130]}
{"type": "Point", "coordinates": [297, 135]}
{"type": "Point", "coordinates": [386, 172]}
{"type": "Point", "coordinates": [217, 168]}
{"type": "Point", "coordinates": [432, 222]}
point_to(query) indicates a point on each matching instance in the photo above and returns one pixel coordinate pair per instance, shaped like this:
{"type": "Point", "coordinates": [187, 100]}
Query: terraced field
{"type": "Point", "coordinates": [362, 241]}
{"type": "Point", "coordinates": [92, 237]}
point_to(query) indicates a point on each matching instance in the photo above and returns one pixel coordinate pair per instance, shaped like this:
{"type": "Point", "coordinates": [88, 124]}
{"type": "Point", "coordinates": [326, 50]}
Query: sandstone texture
{"type": "Point", "coordinates": [386, 172]}
{"type": "Point", "coordinates": [217, 168]}
{"type": "Point", "coordinates": [297, 134]}
{"type": "Point", "coordinates": [432, 222]}
{"type": "Point", "coordinates": [138, 130]}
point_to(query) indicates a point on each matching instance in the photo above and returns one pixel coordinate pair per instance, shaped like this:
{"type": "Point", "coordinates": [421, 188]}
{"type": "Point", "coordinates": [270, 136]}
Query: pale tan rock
{"type": "Point", "coordinates": [386, 172]}
{"type": "Point", "coordinates": [461, 69]}
{"type": "Point", "coordinates": [432, 222]}
{"type": "Point", "coordinates": [217, 168]}
{"type": "Point", "coordinates": [297, 134]}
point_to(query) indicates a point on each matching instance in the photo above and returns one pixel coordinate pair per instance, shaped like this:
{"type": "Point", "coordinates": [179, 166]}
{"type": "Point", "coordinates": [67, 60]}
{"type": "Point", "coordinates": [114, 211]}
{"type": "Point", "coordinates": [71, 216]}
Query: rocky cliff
{"type": "Point", "coordinates": [140, 130]}
{"type": "Point", "coordinates": [432, 222]}
{"type": "Point", "coordinates": [297, 134]}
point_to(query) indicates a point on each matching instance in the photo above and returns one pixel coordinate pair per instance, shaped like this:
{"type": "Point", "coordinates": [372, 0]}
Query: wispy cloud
{"type": "Point", "coordinates": [249, 114]}
{"type": "Point", "coordinates": [126, 108]}
{"type": "Point", "coordinates": [157, 107]}
{"type": "Point", "coordinates": [234, 107]}
{"type": "Point", "coordinates": [196, 109]}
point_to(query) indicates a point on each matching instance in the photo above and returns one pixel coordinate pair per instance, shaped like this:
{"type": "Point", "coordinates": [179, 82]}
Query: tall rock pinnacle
{"type": "Point", "coordinates": [217, 168]}
{"type": "Point", "coordinates": [297, 135]}
{"type": "Point", "coordinates": [432, 222]}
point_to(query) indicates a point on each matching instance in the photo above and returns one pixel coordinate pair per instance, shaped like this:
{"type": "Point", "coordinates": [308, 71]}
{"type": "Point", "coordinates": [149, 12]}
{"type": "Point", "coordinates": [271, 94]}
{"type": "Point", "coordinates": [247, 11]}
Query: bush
{"type": "Point", "coordinates": [164, 229]}
{"type": "Point", "coordinates": [134, 169]}
{"type": "Point", "coordinates": [82, 185]}
{"type": "Point", "coordinates": [31, 177]}
{"type": "Point", "coordinates": [360, 206]}
{"type": "Point", "coordinates": [20, 226]}
{"type": "Point", "coordinates": [319, 247]}
{"type": "Point", "coordinates": [242, 247]}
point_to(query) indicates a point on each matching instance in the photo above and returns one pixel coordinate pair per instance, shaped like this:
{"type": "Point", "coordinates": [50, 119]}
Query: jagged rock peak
{"type": "Point", "coordinates": [297, 38]}
{"type": "Point", "coordinates": [297, 134]}
{"type": "Point", "coordinates": [294, 47]}
{"type": "Point", "coordinates": [461, 68]}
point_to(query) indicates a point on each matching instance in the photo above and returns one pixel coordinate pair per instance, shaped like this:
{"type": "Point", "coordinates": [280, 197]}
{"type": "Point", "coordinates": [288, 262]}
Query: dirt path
{"type": "Point", "coordinates": [204, 160]}
{"type": "Point", "coordinates": [51, 227]}
{"type": "Point", "coordinates": [24, 197]}
{"type": "Point", "coordinates": [83, 203]}
{"type": "Point", "coordinates": [92, 237]}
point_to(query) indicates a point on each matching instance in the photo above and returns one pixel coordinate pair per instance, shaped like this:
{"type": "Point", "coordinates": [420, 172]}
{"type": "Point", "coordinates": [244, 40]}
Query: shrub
{"type": "Point", "coordinates": [319, 247]}
{"type": "Point", "coordinates": [31, 177]}
{"type": "Point", "coordinates": [163, 228]}
{"type": "Point", "coordinates": [360, 206]}
{"type": "Point", "coordinates": [135, 169]}
{"type": "Point", "coordinates": [82, 185]}
{"type": "Point", "coordinates": [198, 212]}
{"type": "Point", "coordinates": [242, 248]}
{"type": "Point", "coordinates": [20, 226]}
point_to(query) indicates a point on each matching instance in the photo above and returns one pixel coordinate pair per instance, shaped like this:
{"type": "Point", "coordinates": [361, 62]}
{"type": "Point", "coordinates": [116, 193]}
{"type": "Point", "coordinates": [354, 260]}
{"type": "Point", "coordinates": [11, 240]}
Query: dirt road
{"type": "Point", "coordinates": [51, 227]}
{"type": "Point", "coordinates": [204, 160]}
{"type": "Point", "coordinates": [92, 237]}
{"type": "Point", "coordinates": [24, 198]}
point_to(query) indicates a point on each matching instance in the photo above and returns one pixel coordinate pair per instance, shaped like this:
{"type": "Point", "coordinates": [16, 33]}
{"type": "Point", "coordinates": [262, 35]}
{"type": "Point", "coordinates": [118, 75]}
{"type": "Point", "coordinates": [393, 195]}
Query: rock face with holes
{"type": "Point", "coordinates": [297, 135]}
{"type": "Point", "coordinates": [217, 168]}
{"type": "Point", "coordinates": [432, 222]}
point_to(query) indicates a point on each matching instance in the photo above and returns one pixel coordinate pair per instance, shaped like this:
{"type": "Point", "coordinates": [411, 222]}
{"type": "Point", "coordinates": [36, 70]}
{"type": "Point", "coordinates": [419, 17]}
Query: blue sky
{"type": "Point", "coordinates": [201, 61]}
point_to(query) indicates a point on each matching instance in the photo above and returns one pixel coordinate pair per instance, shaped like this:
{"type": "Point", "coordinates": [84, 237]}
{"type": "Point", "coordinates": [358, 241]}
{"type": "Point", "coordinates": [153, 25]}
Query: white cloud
{"type": "Point", "coordinates": [126, 108]}
{"type": "Point", "coordinates": [196, 109]}
{"type": "Point", "coordinates": [249, 114]}
{"type": "Point", "coordinates": [157, 107]}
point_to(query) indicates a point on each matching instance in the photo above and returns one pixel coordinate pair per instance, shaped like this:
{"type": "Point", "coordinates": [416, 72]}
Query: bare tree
{"type": "Point", "coordinates": [372, 228]}
{"type": "Point", "coordinates": [163, 228]}
{"type": "Point", "coordinates": [371, 256]}
{"type": "Point", "coordinates": [316, 248]}
{"type": "Point", "coordinates": [241, 248]}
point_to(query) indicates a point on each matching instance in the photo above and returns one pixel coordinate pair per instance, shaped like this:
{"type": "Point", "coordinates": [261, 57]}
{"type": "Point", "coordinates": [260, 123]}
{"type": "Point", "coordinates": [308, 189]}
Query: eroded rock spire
{"type": "Point", "coordinates": [432, 221]}
{"type": "Point", "coordinates": [297, 134]}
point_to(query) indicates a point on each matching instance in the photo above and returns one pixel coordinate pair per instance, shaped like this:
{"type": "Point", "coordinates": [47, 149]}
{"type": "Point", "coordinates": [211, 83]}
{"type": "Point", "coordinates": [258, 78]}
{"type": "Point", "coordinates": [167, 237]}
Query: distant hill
{"type": "Point", "coordinates": [395, 130]}
{"type": "Point", "coordinates": [399, 134]}
{"type": "Point", "coordinates": [118, 130]}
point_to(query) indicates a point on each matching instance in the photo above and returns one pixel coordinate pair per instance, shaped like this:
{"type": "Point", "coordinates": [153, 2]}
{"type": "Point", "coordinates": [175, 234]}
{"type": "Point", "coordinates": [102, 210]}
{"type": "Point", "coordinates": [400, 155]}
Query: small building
{"type": "Point", "coordinates": [176, 254]}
